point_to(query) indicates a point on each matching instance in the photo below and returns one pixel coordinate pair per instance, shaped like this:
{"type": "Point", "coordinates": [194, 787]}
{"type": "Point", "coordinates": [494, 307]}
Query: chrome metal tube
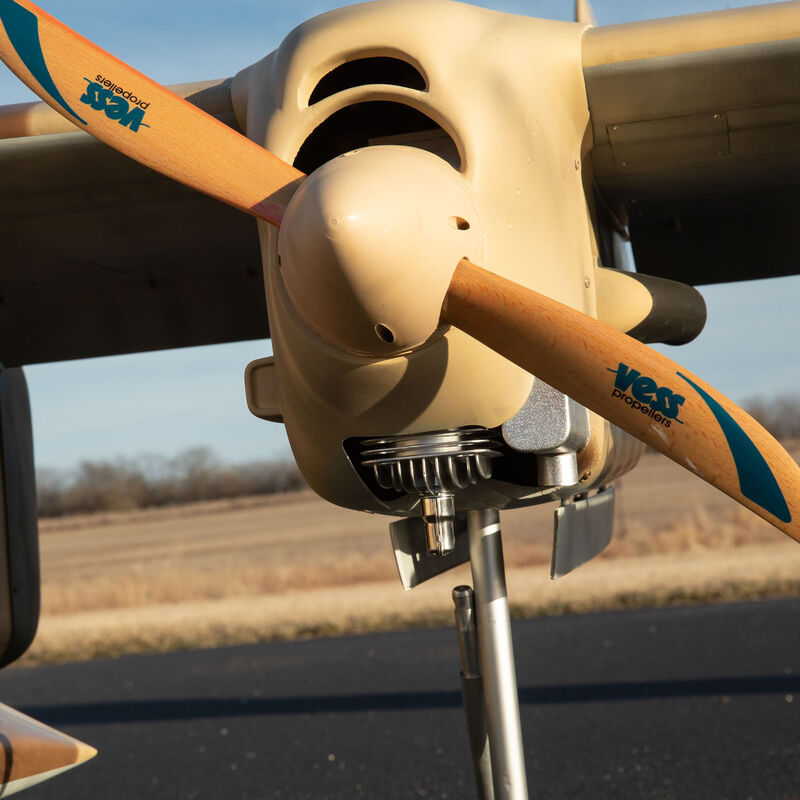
{"type": "Point", "coordinates": [472, 690]}
{"type": "Point", "coordinates": [497, 656]}
{"type": "Point", "coordinates": [438, 514]}
{"type": "Point", "coordinates": [464, 600]}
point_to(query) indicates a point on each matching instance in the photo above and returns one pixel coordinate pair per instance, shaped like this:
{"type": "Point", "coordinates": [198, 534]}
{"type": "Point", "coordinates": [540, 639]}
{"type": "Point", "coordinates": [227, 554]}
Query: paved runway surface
{"type": "Point", "coordinates": [680, 703]}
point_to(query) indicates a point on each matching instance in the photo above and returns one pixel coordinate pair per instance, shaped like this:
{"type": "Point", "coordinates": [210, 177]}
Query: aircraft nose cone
{"type": "Point", "coordinates": [369, 243]}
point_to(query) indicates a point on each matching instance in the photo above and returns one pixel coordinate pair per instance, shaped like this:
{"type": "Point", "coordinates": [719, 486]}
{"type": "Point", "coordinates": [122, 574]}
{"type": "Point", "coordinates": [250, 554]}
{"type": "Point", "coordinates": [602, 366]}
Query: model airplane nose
{"type": "Point", "coordinates": [369, 244]}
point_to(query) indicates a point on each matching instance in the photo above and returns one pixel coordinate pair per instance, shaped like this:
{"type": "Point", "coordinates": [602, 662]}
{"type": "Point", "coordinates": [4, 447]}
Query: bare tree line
{"type": "Point", "coordinates": [150, 481]}
{"type": "Point", "coordinates": [780, 415]}
{"type": "Point", "coordinates": [197, 474]}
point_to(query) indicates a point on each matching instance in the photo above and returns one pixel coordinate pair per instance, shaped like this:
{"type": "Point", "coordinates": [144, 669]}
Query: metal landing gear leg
{"type": "Point", "coordinates": [492, 714]}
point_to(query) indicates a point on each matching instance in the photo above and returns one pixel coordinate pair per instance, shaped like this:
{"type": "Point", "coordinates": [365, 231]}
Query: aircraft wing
{"type": "Point", "coordinates": [103, 256]}
{"type": "Point", "coordinates": [696, 129]}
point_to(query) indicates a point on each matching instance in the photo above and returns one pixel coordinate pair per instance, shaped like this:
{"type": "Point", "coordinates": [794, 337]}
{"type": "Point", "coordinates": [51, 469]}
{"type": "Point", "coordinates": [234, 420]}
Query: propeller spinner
{"type": "Point", "coordinates": [366, 257]}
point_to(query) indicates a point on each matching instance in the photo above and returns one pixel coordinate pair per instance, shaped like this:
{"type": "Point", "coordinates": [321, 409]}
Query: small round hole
{"type": "Point", "coordinates": [459, 223]}
{"type": "Point", "coordinates": [384, 334]}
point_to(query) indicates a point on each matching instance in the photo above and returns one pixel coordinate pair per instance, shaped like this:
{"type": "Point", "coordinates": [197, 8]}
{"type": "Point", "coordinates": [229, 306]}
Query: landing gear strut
{"type": "Point", "coordinates": [488, 675]}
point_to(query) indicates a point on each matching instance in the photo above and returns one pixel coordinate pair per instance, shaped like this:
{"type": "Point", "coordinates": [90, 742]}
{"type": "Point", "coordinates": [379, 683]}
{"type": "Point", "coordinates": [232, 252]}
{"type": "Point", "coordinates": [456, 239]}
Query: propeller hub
{"type": "Point", "coordinates": [369, 243]}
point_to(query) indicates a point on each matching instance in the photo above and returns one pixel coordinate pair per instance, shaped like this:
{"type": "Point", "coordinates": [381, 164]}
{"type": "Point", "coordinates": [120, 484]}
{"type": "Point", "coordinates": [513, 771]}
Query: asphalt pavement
{"type": "Point", "coordinates": [695, 702]}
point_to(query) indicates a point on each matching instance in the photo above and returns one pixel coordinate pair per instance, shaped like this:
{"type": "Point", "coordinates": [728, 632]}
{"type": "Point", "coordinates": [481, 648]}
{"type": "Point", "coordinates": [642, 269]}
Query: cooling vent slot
{"type": "Point", "coordinates": [368, 71]}
{"type": "Point", "coordinates": [373, 123]}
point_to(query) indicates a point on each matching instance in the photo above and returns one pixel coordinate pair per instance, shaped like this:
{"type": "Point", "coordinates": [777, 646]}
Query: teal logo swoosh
{"type": "Point", "coordinates": [22, 28]}
{"type": "Point", "coordinates": [756, 481]}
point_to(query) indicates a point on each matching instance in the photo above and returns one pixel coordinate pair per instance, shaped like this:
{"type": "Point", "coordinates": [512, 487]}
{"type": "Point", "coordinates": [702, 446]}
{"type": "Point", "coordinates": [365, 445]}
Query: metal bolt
{"type": "Point", "coordinates": [438, 513]}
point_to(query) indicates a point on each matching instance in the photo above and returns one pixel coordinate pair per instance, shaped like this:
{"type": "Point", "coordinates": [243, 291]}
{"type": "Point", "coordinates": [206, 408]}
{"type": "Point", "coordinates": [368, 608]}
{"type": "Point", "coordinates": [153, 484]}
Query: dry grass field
{"type": "Point", "coordinates": [293, 565]}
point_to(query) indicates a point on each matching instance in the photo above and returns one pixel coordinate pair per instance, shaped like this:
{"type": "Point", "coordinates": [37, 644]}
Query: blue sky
{"type": "Point", "coordinates": [164, 402]}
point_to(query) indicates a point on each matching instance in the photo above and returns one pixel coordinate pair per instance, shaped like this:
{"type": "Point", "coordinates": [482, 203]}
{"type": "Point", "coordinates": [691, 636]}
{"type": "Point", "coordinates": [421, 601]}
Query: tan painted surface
{"type": "Point", "coordinates": [262, 389]}
{"type": "Point", "coordinates": [584, 12]}
{"type": "Point", "coordinates": [519, 142]}
{"type": "Point", "coordinates": [696, 113]}
{"type": "Point", "coordinates": [622, 301]}
{"type": "Point", "coordinates": [611, 44]}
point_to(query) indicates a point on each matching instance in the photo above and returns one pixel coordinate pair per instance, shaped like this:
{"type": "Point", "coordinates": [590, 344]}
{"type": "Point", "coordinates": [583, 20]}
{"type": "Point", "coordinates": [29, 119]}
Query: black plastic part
{"type": "Point", "coordinates": [678, 314]}
{"type": "Point", "coordinates": [368, 71]}
{"type": "Point", "coordinates": [729, 242]}
{"type": "Point", "coordinates": [19, 532]}
{"type": "Point", "coordinates": [354, 126]}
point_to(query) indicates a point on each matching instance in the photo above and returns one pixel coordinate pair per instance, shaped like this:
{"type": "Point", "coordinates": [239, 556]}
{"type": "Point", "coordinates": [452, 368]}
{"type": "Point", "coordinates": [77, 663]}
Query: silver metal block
{"type": "Point", "coordinates": [549, 422]}
{"type": "Point", "coordinates": [582, 529]}
{"type": "Point", "coordinates": [415, 564]}
{"type": "Point", "coordinates": [557, 469]}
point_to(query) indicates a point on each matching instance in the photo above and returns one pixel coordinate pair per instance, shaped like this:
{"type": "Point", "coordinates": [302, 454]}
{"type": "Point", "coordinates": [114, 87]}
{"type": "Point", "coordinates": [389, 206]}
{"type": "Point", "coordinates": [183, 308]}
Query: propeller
{"type": "Point", "coordinates": [623, 380]}
{"type": "Point", "coordinates": [139, 117]}
{"type": "Point", "coordinates": [637, 388]}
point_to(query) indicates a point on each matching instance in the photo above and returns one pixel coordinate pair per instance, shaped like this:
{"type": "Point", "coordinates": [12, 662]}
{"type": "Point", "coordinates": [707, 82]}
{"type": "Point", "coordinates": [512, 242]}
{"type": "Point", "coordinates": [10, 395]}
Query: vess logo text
{"type": "Point", "coordinates": [118, 104]}
{"type": "Point", "coordinates": [643, 394]}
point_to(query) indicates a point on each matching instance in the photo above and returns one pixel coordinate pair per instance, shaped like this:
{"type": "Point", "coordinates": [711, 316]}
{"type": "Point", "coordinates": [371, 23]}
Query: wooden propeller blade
{"type": "Point", "coordinates": [139, 117]}
{"type": "Point", "coordinates": [31, 752]}
{"type": "Point", "coordinates": [633, 386]}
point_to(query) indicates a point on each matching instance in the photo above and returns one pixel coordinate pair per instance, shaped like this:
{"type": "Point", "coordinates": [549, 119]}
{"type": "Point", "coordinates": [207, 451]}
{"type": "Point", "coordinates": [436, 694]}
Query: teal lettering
{"type": "Point", "coordinates": [643, 389]}
{"type": "Point", "coordinates": [112, 101]}
{"type": "Point", "coordinates": [675, 402]}
{"type": "Point", "coordinates": [662, 399]}
{"type": "Point", "coordinates": [133, 119]}
{"type": "Point", "coordinates": [90, 95]}
{"type": "Point", "coordinates": [100, 101]}
{"type": "Point", "coordinates": [659, 402]}
{"type": "Point", "coordinates": [625, 377]}
{"type": "Point", "coordinates": [117, 108]}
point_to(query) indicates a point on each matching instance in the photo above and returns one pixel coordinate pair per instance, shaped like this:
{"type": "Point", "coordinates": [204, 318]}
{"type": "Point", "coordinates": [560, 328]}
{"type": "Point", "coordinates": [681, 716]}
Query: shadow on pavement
{"type": "Point", "coordinates": [203, 707]}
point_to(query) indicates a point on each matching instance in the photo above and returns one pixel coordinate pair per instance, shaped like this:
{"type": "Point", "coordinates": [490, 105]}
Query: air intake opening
{"type": "Point", "coordinates": [365, 72]}
{"type": "Point", "coordinates": [375, 122]}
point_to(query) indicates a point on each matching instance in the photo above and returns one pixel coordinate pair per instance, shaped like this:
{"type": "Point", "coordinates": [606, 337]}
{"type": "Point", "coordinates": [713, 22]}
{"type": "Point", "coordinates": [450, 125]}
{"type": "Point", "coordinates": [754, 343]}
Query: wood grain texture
{"type": "Point", "coordinates": [29, 748]}
{"type": "Point", "coordinates": [633, 386]}
{"type": "Point", "coordinates": [96, 91]}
